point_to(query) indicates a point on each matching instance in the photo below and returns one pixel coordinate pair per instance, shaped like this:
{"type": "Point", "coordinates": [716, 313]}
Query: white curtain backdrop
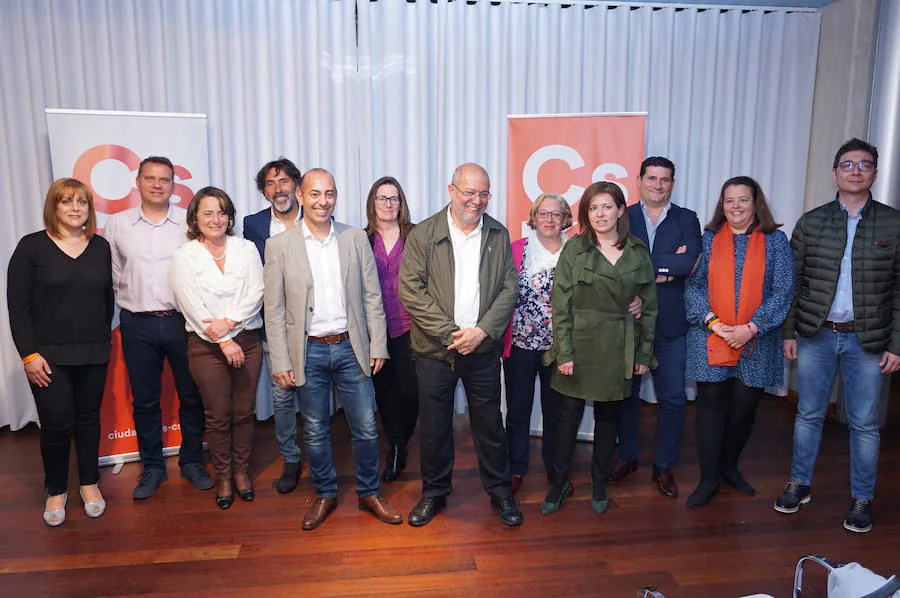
{"type": "Point", "coordinates": [728, 92]}
{"type": "Point", "coordinates": [275, 77]}
{"type": "Point", "coordinates": [409, 89]}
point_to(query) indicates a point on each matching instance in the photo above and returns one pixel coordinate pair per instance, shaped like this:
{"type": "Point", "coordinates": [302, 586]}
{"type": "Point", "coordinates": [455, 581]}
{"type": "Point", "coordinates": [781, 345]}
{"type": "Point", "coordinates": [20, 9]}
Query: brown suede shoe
{"type": "Point", "coordinates": [378, 506]}
{"type": "Point", "coordinates": [319, 512]}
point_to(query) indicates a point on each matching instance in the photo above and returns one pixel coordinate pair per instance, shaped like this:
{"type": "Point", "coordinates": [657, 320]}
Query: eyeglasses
{"type": "Point", "coordinates": [387, 199]}
{"type": "Point", "coordinates": [862, 165]}
{"type": "Point", "coordinates": [470, 194]}
{"type": "Point", "coordinates": [551, 215]}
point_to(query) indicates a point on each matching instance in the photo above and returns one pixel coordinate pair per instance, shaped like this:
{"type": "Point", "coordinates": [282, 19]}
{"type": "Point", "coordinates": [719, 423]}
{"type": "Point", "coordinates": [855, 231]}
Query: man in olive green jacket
{"type": "Point", "coordinates": [846, 315]}
{"type": "Point", "coordinates": [458, 283]}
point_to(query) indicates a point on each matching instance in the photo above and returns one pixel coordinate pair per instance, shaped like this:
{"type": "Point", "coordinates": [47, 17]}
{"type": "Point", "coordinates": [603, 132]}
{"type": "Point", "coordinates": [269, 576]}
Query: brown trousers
{"type": "Point", "coordinates": [229, 396]}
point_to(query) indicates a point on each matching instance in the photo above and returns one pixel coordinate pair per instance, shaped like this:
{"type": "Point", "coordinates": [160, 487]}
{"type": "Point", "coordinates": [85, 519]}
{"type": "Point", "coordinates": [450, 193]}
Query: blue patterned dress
{"type": "Point", "coordinates": [761, 363]}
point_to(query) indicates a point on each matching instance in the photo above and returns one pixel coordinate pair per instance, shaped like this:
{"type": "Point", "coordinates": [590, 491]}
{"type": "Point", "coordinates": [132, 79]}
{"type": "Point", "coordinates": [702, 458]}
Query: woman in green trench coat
{"type": "Point", "coordinates": [597, 345]}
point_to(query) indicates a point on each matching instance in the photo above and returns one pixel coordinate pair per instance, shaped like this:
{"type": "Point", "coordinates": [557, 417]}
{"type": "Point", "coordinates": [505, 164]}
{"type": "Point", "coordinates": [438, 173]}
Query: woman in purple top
{"type": "Point", "coordinates": [396, 386]}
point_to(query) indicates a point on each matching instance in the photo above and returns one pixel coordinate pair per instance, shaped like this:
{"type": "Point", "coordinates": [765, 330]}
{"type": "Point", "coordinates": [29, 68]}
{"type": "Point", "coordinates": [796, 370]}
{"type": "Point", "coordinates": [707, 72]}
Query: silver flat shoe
{"type": "Point", "coordinates": [56, 516]}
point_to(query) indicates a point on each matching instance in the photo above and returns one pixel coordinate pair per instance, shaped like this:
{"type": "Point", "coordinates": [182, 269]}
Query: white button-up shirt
{"type": "Point", "coordinates": [142, 255]}
{"type": "Point", "coordinates": [330, 315]}
{"type": "Point", "coordinates": [203, 291]}
{"type": "Point", "coordinates": [466, 279]}
{"type": "Point", "coordinates": [277, 227]}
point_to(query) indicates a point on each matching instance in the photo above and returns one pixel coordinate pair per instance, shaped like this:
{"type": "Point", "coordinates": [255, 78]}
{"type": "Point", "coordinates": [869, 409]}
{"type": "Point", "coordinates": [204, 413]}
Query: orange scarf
{"type": "Point", "coordinates": [721, 277]}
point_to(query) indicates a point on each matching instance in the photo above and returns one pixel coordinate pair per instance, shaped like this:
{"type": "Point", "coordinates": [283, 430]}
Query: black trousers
{"type": "Point", "coordinates": [480, 375]}
{"type": "Point", "coordinates": [606, 417]}
{"type": "Point", "coordinates": [725, 415]}
{"type": "Point", "coordinates": [70, 406]}
{"type": "Point", "coordinates": [397, 392]}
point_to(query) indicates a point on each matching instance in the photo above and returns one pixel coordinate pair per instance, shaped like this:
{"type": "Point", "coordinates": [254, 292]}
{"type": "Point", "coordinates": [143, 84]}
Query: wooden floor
{"type": "Point", "coordinates": [179, 543]}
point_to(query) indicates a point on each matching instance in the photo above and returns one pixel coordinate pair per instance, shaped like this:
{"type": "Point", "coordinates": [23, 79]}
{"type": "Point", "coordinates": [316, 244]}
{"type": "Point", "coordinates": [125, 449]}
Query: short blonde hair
{"type": "Point", "coordinates": [58, 190]}
{"type": "Point", "coordinates": [564, 206]}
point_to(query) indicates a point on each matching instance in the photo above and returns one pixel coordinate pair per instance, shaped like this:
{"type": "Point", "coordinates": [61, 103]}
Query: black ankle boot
{"type": "Point", "coordinates": [395, 462]}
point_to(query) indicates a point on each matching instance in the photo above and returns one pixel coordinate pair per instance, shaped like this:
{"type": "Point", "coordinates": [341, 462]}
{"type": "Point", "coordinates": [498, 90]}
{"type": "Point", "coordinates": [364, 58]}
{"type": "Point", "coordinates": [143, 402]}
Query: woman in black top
{"type": "Point", "coordinates": [60, 299]}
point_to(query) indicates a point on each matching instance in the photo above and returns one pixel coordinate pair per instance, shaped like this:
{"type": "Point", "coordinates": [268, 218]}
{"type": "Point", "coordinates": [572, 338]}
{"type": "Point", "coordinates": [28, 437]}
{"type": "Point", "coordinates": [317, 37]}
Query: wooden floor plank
{"type": "Point", "coordinates": [179, 544]}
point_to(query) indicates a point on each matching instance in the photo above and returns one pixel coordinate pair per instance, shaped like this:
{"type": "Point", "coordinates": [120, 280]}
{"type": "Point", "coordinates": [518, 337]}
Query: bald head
{"type": "Point", "coordinates": [470, 192]}
{"type": "Point", "coordinates": [469, 169]}
{"type": "Point", "coordinates": [317, 173]}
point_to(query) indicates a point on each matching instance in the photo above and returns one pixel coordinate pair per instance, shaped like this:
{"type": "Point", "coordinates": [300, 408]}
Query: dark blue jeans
{"type": "Point", "coordinates": [337, 364]}
{"type": "Point", "coordinates": [480, 375]}
{"type": "Point", "coordinates": [519, 372]}
{"type": "Point", "coordinates": [146, 342]}
{"type": "Point", "coordinates": [668, 381]}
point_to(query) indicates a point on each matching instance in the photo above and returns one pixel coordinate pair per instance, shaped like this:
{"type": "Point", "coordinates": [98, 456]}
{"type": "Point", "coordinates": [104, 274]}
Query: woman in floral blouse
{"type": "Point", "coordinates": [530, 332]}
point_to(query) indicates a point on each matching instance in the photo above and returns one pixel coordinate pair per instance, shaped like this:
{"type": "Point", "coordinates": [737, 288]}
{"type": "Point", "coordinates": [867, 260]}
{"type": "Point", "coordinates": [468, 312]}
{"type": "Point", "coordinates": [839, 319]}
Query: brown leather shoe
{"type": "Point", "coordinates": [378, 506]}
{"type": "Point", "coordinates": [319, 512]}
{"type": "Point", "coordinates": [621, 469]}
{"type": "Point", "coordinates": [665, 482]}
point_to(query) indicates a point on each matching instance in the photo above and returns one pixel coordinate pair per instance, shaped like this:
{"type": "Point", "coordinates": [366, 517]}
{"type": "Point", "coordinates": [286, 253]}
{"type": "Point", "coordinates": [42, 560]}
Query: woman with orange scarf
{"type": "Point", "coordinates": [736, 300]}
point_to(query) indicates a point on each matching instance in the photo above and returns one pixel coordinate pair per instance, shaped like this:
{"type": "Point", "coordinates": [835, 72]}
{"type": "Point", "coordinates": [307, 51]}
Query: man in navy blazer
{"type": "Point", "coordinates": [279, 182]}
{"type": "Point", "coordinates": [672, 234]}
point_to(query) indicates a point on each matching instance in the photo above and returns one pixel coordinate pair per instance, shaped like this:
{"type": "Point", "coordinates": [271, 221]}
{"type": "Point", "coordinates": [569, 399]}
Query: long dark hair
{"type": "Point", "coordinates": [763, 218]}
{"type": "Point", "coordinates": [403, 218]}
{"type": "Point", "coordinates": [584, 206]}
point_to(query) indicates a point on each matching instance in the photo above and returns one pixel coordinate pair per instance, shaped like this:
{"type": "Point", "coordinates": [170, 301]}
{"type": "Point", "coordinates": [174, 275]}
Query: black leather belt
{"type": "Point", "coordinates": [840, 326]}
{"type": "Point", "coordinates": [331, 339]}
{"type": "Point", "coordinates": [163, 313]}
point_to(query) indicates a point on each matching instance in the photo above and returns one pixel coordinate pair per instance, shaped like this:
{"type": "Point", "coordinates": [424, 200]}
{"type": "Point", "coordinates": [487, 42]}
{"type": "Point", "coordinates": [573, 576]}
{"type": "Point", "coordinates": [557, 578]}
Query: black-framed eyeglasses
{"type": "Point", "coordinates": [862, 165]}
{"type": "Point", "coordinates": [550, 215]}
{"type": "Point", "coordinates": [471, 193]}
{"type": "Point", "coordinates": [387, 199]}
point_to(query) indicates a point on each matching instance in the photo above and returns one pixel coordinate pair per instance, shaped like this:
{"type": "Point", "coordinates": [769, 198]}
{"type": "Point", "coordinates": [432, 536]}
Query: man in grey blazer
{"type": "Point", "coordinates": [325, 324]}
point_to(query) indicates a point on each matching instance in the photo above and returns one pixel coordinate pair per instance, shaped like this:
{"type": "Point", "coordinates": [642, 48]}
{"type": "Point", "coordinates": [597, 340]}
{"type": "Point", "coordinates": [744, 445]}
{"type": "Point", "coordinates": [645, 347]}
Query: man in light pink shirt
{"type": "Point", "coordinates": [142, 240]}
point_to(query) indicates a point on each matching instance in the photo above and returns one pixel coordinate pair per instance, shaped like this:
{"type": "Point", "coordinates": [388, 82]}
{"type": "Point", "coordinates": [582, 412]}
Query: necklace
{"type": "Point", "coordinates": [213, 256]}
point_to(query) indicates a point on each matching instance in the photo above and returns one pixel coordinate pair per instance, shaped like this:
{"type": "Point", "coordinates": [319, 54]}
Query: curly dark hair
{"type": "Point", "coordinates": [282, 164]}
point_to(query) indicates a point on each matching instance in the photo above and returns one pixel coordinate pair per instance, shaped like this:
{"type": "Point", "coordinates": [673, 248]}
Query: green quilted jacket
{"type": "Point", "coordinates": [818, 244]}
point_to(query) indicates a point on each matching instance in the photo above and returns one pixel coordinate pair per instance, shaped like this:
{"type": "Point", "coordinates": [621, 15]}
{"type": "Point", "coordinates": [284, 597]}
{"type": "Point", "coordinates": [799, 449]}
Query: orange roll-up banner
{"type": "Point", "coordinates": [564, 153]}
{"type": "Point", "coordinates": [103, 149]}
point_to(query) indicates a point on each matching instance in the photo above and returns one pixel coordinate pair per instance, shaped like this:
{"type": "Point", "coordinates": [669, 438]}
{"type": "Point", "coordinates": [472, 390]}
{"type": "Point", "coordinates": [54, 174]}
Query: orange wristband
{"type": "Point", "coordinates": [29, 358]}
{"type": "Point", "coordinates": [224, 344]}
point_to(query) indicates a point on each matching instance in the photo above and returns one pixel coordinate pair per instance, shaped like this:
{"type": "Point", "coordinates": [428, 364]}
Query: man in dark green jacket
{"type": "Point", "coordinates": [846, 315]}
{"type": "Point", "coordinates": [458, 283]}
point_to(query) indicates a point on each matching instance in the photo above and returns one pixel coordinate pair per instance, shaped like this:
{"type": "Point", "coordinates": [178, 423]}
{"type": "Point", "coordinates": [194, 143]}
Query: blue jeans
{"type": "Point", "coordinates": [818, 358]}
{"type": "Point", "coordinates": [284, 409]}
{"type": "Point", "coordinates": [146, 342]}
{"type": "Point", "coordinates": [336, 364]}
{"type": "Point", "coordinates": [668, 381]}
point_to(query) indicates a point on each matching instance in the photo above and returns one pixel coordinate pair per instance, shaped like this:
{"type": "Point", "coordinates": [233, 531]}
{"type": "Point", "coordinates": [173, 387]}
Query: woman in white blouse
{"type": "Point", "coordinates": [217, 279]}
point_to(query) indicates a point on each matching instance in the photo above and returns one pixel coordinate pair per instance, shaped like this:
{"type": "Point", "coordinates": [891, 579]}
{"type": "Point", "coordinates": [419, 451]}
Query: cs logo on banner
{"type": "Point", "coordinates": [565, 154]}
